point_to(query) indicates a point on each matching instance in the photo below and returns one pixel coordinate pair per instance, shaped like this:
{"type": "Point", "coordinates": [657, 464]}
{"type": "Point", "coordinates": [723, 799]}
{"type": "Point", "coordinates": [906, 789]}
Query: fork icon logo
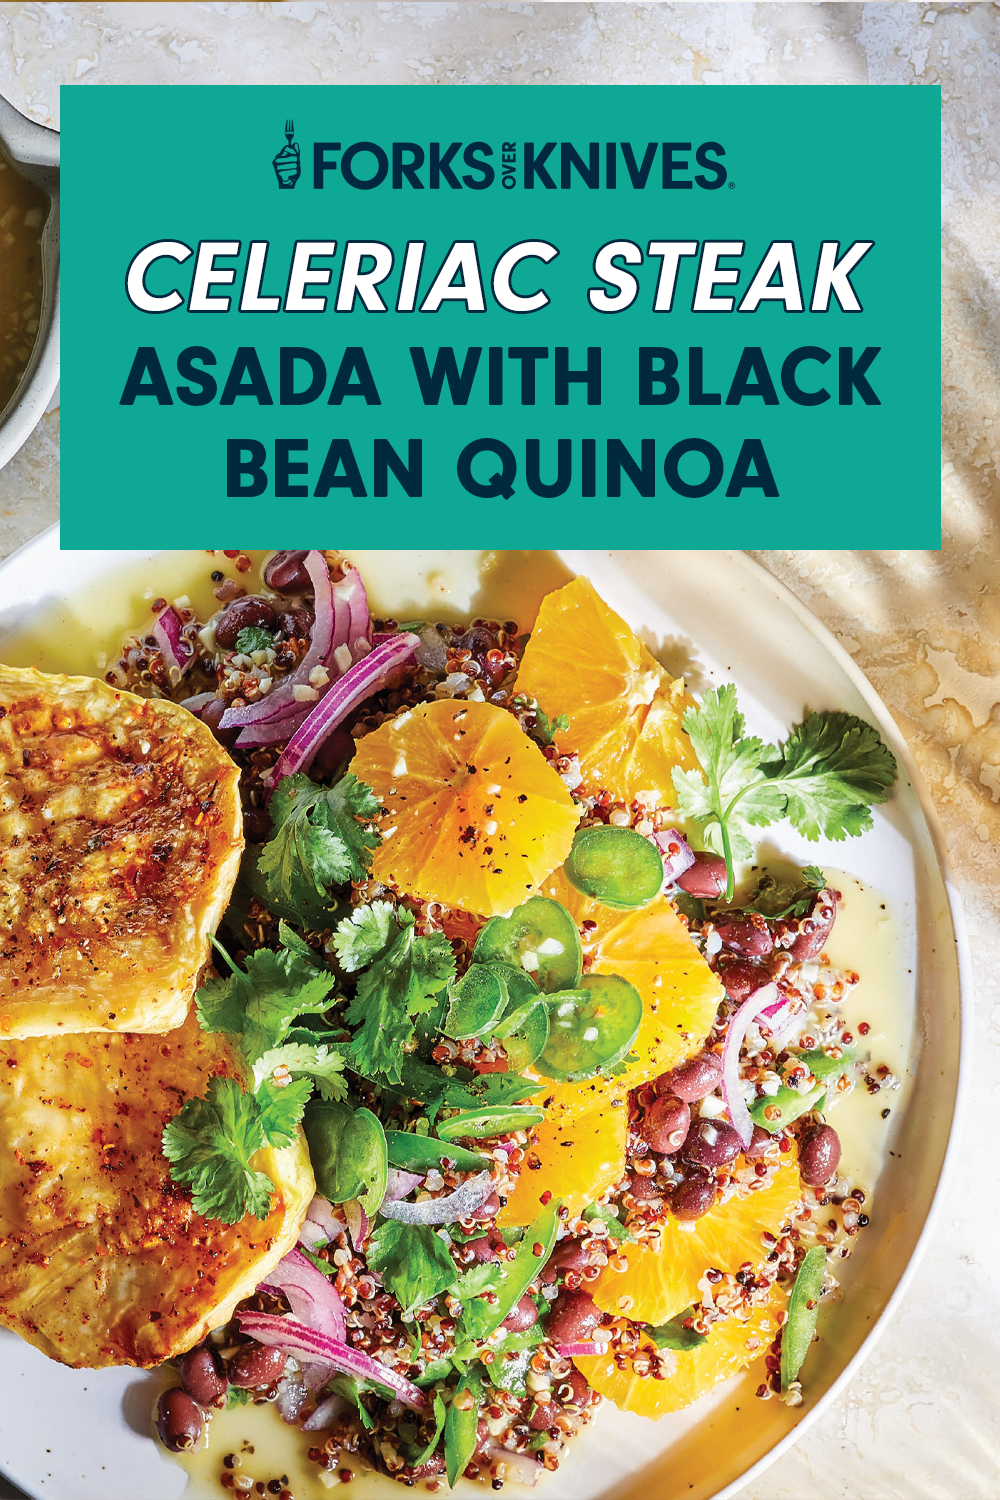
{"type": "Point", "coordinates": [287, 165]}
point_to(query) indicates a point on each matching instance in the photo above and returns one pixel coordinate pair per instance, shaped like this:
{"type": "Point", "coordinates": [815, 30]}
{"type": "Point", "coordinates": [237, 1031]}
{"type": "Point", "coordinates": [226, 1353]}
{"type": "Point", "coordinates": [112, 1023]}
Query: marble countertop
{"type": "Point", "coordinates": [921, 1421]}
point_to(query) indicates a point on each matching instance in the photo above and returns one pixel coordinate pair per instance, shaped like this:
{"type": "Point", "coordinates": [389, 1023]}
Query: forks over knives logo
{"type": "Point", "coordinates": [287, 164]}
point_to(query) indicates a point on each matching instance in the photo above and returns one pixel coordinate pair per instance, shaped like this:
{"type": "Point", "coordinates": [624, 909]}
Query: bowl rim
{"type": "Point", "coordinates": [33, 149]}
{"type": "Point", "coordinates": [894, 737]}
{"type": "Point", "coordinates": [897, 743]}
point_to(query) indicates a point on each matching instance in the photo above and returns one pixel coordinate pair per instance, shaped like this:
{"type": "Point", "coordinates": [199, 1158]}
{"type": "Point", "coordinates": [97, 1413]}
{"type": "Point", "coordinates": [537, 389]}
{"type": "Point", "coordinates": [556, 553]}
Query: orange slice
{"type": "Point", "coordinates": [662, 1281]}
{"type": "Point", "coordinates": [580, 1159]}
{"type": "Point", "coordinates": [652, 949]}
{"type": "Point", "coordinates": [624, 709]}
{"type": "Point", "coordinates": [475, 817]}
{"type": "Point", "coordinates": [733, 1344]}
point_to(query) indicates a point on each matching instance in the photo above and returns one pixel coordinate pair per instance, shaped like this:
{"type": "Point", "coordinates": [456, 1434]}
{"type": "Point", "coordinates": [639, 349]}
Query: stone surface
{"type": "Point", "coordinates": [920, 1422]}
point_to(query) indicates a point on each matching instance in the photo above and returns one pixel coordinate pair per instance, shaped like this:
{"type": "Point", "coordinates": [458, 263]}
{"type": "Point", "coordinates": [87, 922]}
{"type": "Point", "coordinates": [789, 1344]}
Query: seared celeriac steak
{"type": "Point", "coordinates": [120, 840]}
{"type": "Point", "coordinates": [103, 1261]}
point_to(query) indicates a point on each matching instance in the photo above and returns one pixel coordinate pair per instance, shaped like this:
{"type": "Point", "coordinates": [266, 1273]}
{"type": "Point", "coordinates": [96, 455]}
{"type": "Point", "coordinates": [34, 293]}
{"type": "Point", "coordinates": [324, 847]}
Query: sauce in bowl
{"type": "Point", "coordinates": [23, 211]}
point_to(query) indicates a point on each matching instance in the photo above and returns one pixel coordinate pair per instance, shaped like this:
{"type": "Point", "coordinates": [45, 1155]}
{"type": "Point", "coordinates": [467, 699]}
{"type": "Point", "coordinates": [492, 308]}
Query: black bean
{"type": "Point", "coordinates": [748, 935]}
{"type": "Point", "coordinates": [179, 1421]}
{"type": "Point", "coordinates": [286, 573]}
{"type": "Point", "coordinates": [665, 1123]}
{"type": "Point", "coordinates": [488, 1209]}
{"type": "Point", "coordinates": [203, 1375]}
{"type": "Point", "coordinates": [711, 1143]}
{"type": "Point", "coordinates": [569, 1255]}
{"type": "Point", "coordinates": [211, 714]}
{"type": "Point", "coordinates": [759, 1143]}
{"type": "Point", "coordinates": [739, 976]}
{"type": "Point", "coordinates": [706, 878]}
{"type": "Point", "coordinates": [815, 927]}
{"type": "Point", "coordinates": [254, 1365]}
{"type": "Point", "coordinates": [298, 623]}
{"type": "Point", "coordinates": [521, 1317]}
{"type": "Point", "coordinates": [480, 1249]}
{"type": "Point", "coordinates": [581, 1392]}
{"type": "Point", "coordinates": [819, 1154]}
{"type": "Point", "coordinates": [572, 1318]}
{"type": "Point", "coordinates": [256, 825]}
{"type": "Point", "coordinates": [240, 615]}
{"type": "Point", "coordinates": [645, 1189]}
{"type": "Point", "coordinates": [434, 1465]}
{"type": "Point", "coordinates": [693, 1197]}
{"type": "Point", "coordinates": [693, 1079]}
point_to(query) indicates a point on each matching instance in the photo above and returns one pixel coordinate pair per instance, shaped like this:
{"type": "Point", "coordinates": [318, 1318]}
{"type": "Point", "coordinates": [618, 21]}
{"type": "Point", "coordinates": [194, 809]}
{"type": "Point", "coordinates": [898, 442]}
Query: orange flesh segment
{"type": "Point", "coordinates": [580, 1160]}
{"type": "Point", "coordinates": [652, 949]}
{"type": "Point", "coordinates": [625, 710]}
{"type": "Point", "coordinates": [733, 1344]}
{"type": "Point", "coordinates": [661, 1282]}
{"type": "Point", "coordinates": [475, 817]}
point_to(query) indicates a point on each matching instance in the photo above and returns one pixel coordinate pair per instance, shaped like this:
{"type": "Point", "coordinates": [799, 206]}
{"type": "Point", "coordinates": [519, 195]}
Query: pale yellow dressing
{"type": "Point", "coordinates": [83, 633]}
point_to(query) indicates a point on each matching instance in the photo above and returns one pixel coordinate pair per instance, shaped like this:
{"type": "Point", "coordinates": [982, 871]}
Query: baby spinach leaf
{"type": "Point", "coordinates": [349, 1154]}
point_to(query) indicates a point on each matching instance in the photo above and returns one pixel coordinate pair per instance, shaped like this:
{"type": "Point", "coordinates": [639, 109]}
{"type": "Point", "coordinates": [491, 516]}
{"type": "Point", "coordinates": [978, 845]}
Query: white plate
{"type": "Point", "coordinates": [70, 1435]}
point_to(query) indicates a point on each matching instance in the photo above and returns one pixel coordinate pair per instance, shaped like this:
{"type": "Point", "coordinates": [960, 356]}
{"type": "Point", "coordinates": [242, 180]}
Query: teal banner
{"type": "Point", "coordinates": [651, 316]}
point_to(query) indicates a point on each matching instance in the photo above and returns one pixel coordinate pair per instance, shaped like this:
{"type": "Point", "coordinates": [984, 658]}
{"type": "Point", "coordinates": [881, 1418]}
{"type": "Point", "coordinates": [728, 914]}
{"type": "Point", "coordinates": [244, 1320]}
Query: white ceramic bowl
{"type": "Point", "coordinates": [76, 1435]}
{"type": "Point", "coordinates": [34, 151]}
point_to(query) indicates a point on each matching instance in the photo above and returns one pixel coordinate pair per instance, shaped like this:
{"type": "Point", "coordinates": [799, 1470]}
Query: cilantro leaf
{"type": "Point", "coordinates": [813, 876]}
{"type": "Point", "coordinates": [254, 638]}
{"type": "Point", "coordinates": [823, 778]}
{"type": "Point", "coordinates": [351, 1388]}
{"type": "Point", "coordinates": [674, 1335]}
{"type": "Point", "coordinates": [209, 1144]}
{"type": "Point", "coordinates": [405, 975]}
{"type": "Point", "coordinates": [477, 1316]}
{"type": "Point", "coordinates": [281, 1109]}
{"type": "Point", "coordinates": [322, 836]}
{"type": "Point", "coordinates": [365, 935]}
{"type": "Point", "coordinates": [322, 1065]}
{"type": "Point", "coordinates": [260, 1003]}
{"type": "Point", "coordinates": [832, 767]}
{"type": "Point", "coordinates": [413, 1262]}
{"type": "Point", "coordinates": [549, 728]}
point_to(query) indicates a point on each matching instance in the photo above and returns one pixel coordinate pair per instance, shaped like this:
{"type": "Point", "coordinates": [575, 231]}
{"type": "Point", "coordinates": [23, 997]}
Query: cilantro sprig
{"type": "Point", "coordinates": [322, 836]}
{"type": "Point", "coordinates": [402, 976]}
{"type": "Point", "coordinates": [822, 779]}
{"type": "Point", "coordinates": [211, 1140]}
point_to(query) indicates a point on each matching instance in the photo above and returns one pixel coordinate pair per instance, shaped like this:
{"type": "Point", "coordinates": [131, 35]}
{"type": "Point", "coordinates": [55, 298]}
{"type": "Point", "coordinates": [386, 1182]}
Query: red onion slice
{"type": "Point", "coordinates": [357, 1222]}
{"type": "Point", "coordinates": [313, 1296]}
{"type": "Point", "coordinates": [281, 700]}
{"type": "Point", "coordinates": [279, 731]}
{"type": "Point", "coordinates": [400, 1184]}
{"type": "Point", "coordinates": [325, 1414]}
{"type": "Point", "coordinates": [584, 1350]}
{"type": "Point", "coordinates": [784, 1027]}
{"type": "Point", "coordinates": [312, 1236]}
{"type": "Point", "coordinates": [322, 1213]}
{"type": "Point", "coordinates": [678, 855]}
{"type": "Point", "coordinates": [293, 1394]}
{"type": "Point", "coordinates": [177, 653]}
{"type": "Point", "coordinates": [739, 1025]}
{"type": "Point", "coordinates": [309, 1346]}
{"type": "Point", "coordinates": [359, 626]}
{"type": "Point", "coordinates": [359, 682]}
{"type": "Point", "coordinates": [198, 702]}
{"type": "Point", "coordinates": [460, 1204]}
